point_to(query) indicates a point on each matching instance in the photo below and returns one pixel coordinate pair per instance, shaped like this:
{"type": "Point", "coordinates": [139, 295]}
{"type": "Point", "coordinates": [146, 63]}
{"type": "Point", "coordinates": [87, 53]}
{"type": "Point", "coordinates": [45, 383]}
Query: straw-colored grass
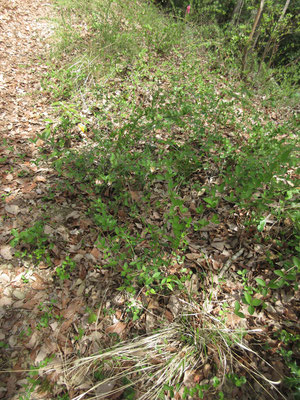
{"type": "Point", "coordinates": [153, 364]}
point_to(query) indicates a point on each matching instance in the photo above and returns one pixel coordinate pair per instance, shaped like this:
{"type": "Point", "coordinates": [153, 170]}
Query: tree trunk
{"type": "Point", "coordinates": [257, 34]}
{"type": "Point", "coordinates": [247, 48]}
{"type": "Point", "coordinates": [272, 38]}
{"type": "Point", "coordinates": [237, 12]}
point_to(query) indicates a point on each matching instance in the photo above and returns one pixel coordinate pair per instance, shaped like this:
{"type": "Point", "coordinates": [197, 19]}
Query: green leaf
{"type": "Point", "coordinates": [240, 314]}
{"type": "Point", "coordinates": [251, 310]}
{"type": "Point", "coordinates": [92, 318]}
{"type": "Point", "coordinates": [274, 285]}
{"type": "Point", "coordinates": [261, 282]}
{"type": "Point", "coordinates": [156, 275]}
{"type": "Point", "coordinates": [261, 225]}
{"type": "Point", "coordinates": [236, 306]}
{"type": "Point", "coordinates": [279, 273]}
{"type": "Point", "coordinates": [290, 277]}
{"type": "Point", "coordinates": [281, 282]}
{"type": "Point", "coordinates": [248, 298]}
{"type": "Point", "coordinates": [256, 302]}
{"type": "Point", "coordinates": [215, 219]}
{"type": "Point", "coordinates": [296, 262]}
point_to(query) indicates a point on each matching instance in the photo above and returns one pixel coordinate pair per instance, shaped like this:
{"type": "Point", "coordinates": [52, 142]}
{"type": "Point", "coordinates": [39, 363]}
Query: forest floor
{"type": "Point", "coordinates": [57, 298]}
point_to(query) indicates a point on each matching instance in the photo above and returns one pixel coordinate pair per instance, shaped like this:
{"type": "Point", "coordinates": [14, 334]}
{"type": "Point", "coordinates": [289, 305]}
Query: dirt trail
{"type": "Point", "coordinates": [24, 31]}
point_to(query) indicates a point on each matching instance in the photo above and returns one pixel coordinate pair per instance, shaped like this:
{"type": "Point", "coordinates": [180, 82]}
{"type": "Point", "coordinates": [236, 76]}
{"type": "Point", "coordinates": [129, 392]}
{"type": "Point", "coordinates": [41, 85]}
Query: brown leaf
{"type": "Point", "coordinates": [121, 214]}
{"type": "Point", "coordinates": [43, 266]}
{"type": "Point", "coordinates": [156, 215]}
{"type": "Point", "coordinates": [135, 196]}
{"type": "Point", "coordinates": [96, 253]}
{"type": "Point", "coordinates": [206, 370]}
{"type": "Point", "coordinates": [33, 341]}
{"type": "Point", "coordinates": [10, 198]}
{"type": "Point", "coordinates": [39, 283]}
{"type": "Point", "coordinates": [192, 256]}
{"type": "Point", "coordinates": [9, 177]}
{"type": "Point", "coordinates": [153, 304]}
{"type": "Point", "coordinates": [29, 305]}
{"type": "Point", "coordinates": [5, 252]}
{"type": "Point", "coordinates": [66, 325]}
{"type": "Point", "coordinates": [39, 142]}
{"type": "Point", "coordinates": [11, 385]}
{"type": "Point", "coordinates": [12, 209]}
{"type": "Point", "coordinates": [82, 272]}
{"type": "Point", "coordinates": [43, 353]}
{"type": "Point", "coordinates": [40, 178]}
{"type": "Point", "coordinates": [233, 320]}
{"type": "Point", "coordinates": [29, 188]}
{"type": "Point", "coordinates": [218, 245]}
{"type": "Point", "coordinates": [169, 316]}
{"type": "Point", "coordinates": [72, 309]}
{"type": "Point", "coordinates": [73, 215]}
{"type": "Point", "coordinates": [216, 265]}
{"type": "Point", "coordinates": [116, 328]}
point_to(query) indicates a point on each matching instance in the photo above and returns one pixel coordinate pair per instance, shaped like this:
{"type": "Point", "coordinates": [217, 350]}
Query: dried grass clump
{"type": "Point", "coordinates": [152, 364]}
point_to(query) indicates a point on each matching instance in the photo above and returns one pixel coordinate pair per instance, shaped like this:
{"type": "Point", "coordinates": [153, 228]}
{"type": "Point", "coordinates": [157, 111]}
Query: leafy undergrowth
{"type": "Point", "coordinates": [170, 229]}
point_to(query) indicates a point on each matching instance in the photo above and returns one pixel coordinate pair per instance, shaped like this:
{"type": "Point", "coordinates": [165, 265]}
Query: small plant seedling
{"type": "Point", "coordinates": [237, 380]}
{"type": "Point", "coordinates": [24, 279]}
{"type": "Point", "coordinates": [66, 267]}
{"type": "Point", "coordinates": [92, 317]}
{"type": "Point", "coordinates": [79, 335]}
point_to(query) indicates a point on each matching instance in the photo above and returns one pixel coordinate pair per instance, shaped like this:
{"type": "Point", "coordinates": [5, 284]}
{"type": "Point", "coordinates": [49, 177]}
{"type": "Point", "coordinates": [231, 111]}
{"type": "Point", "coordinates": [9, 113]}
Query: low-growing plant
{"type": "Point", "coordinates": [47, 315]}
{"type": "Point", "coordinates": [33, 243]}
{"type": "Point", "coordinates": [80, 334]}
{"type": "Point", "coordinates": [64, 270]}
{"type": "Point", "coordinates": [290, 346]}
{"type": "Point", "coordinates": [34, 381]}
{"type": "Point", "coordinates": [34, 236]}
{"type": "Point", "coordinates": [237, 380]}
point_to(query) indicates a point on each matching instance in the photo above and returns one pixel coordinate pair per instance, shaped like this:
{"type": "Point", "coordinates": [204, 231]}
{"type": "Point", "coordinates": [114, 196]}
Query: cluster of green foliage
{"type": "Point", "coordinates": [227, 26]}
{"type": "Point", "coordinates": [252, 174]}
{"type": "Point", "coordinates": [158, 122]}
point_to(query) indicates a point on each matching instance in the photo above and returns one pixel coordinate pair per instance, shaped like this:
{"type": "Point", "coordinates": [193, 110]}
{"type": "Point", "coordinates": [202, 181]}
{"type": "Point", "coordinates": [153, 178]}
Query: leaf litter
{"type": "Point", "coordinates": [42, 315]}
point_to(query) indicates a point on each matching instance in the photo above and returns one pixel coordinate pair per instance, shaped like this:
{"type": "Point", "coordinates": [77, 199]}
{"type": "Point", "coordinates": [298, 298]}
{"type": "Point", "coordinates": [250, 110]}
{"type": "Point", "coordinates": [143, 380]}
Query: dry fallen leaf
{"type": "Point", "coordinates": [116, 328]}
{"type": "Point", "coordinates": [29, 188]}
{"type": "Point", "coordinates": [5, 252]}
{"type": "Point", "coordinates": [12, 209]}
{"type": "Point", "coordinates": [33, 341]}
{"type": "Point", "coordinates": [169, 316]}
{"type": "Point", "coordinates": [135, 196]}
{"type": "Point", "coordinates": [192, 256]}
{"type": "Point", "coordinates": [39, 283]}
{"type": "Point", "coordinates": [219, 245]}
{"type": "Point", "coordinates": [151, 322]}
{"type": "Point", "coordinates": [48, 230]}
{"type": "Point", "coordinates": [43, 353]}
{"type": "Point", "coordinates": [96, 253]}
{"type": "Point", "coordinates": [40, 178]}
{"type": "Point", "coordinates": [174, 305]}
{"type": "Point", "coordinates": [106, 387]}
{"type": "Point", "coordinates": [233, 320]}
{"type": "Point", "coordinates": [9, 177]}
{"type": "Point", "coordinates": [72, 309]}
{"type": "Point", "coordinates": [74, 215]}
{"type": "Point", "coordinates": [153, 304]}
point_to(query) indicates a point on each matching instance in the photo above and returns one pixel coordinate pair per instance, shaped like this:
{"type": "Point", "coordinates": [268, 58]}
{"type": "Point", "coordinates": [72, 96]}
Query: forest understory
{"type": "Point", "coordinates": [149, 240]}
